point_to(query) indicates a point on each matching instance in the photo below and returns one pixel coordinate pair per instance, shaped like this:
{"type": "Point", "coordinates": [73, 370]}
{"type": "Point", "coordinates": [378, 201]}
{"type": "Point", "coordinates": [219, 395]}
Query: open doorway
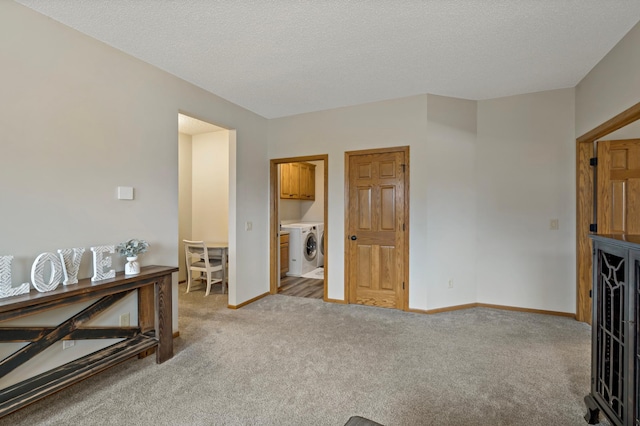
{"type": "Point", "coordinates": [622, 126]}
{"type": "Point", "coordinates": [204, 186]}
{"type": "Point", "coordinates": [298, 228]}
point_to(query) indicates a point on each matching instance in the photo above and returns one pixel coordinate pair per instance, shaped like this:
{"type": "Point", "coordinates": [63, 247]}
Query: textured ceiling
{"type": "Point", "coordinates": [284, 57]}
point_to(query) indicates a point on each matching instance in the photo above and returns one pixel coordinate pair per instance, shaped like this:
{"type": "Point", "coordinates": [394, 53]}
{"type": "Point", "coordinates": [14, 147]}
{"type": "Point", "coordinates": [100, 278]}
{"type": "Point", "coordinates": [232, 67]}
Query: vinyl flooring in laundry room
{"type": "Point", "coordinates": [302, 287]}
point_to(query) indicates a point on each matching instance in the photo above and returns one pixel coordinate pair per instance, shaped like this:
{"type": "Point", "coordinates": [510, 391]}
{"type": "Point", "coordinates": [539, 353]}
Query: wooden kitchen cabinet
{"type": "Point", "coordinates": [307, 181]}
{"type": "Point", "coordinates": [284, 254]}
{"type": "Point", "coordinates": [290, 181]}
{"type": "Point", "coordinates": [298, 181]}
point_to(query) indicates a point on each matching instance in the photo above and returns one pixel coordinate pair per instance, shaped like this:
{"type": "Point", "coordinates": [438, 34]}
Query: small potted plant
{"type": "Point", "coordinates": [131, 249]}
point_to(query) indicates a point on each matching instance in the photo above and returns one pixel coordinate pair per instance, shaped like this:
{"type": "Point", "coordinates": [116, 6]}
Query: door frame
{"type": "Point", "coordinates": [347, 156]}
{"type": "Point", "coordinates": [274, 226]}
{"type": "Point", "coordinates": [585, 206]}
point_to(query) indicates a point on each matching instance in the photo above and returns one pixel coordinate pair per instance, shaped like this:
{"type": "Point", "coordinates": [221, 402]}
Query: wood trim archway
{"type": "Point", "coordinates": [274, 226]}
{"type": "Point", "coordinates": [584, 205]}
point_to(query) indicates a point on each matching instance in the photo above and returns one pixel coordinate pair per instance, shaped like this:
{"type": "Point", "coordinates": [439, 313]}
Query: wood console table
{"type": "Point", "coordinates": [153, 332]}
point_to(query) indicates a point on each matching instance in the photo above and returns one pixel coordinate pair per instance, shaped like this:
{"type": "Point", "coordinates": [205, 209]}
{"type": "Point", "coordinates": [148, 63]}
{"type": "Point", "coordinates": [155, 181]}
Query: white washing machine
{"type": "Point", "coordinates": [320, 257]}
{"type": "Point", "coordinates": [319, 229]}
{"type": "Point", "coordinates": [303, 248]}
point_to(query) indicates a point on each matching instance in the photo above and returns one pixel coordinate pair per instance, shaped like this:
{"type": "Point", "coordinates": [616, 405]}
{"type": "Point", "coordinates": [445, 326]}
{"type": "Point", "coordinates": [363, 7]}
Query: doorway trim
{"type": "Point", "coordinates": [347, 156]}
{"type": "Point", "coordinates": [231, 215]}
{"type": "Point", "coordinates": [274, 228]}
{"type": "Point", "coordinates": [584, 205]}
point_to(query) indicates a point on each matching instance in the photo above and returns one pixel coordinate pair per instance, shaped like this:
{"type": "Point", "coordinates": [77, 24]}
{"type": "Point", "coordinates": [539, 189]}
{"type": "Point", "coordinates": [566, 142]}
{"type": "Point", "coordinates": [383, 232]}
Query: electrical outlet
{"type": "Point", "coordinates": [125, 320]}
{"type": "Point", "coordinates": [66, 344]}
{"type": "Point", "coordinates": [554, 225]}
{"type": "Point", "coordinates": [248, 226]}
{"type": "Point", "coordinates": [451, 283]}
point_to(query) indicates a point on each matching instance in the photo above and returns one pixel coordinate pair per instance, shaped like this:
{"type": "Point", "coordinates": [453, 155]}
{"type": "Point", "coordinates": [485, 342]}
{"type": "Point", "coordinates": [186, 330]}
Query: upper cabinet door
{"type": "Point", "coordinates": [290, 181]}
{"type": "Point", "coordinates": [298, 181]}
{"type": "Point", "coordinates": [307, 181]}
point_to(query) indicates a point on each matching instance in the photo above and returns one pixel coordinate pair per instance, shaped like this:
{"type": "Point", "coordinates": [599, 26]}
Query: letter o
{"type": "Point", "coordinates": [37, 272]}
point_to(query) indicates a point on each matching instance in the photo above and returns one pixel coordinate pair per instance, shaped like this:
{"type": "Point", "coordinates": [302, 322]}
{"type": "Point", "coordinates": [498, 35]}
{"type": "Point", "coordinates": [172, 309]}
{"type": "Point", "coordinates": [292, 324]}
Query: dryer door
{"type": "Point", "coordinates": [310, 246]}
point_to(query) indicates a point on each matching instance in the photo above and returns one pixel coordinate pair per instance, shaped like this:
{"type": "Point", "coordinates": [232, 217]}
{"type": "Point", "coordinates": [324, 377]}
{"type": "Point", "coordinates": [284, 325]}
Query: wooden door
{"type": "Point", "coordinates": [618, 187]}
{"type": "Point", "coordinates": [376, 241]}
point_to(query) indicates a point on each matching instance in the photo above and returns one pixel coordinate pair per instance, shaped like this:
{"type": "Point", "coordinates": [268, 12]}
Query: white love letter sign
{"type": "Point", "coordinates": [5, 280]}
{"type": "Point", "coordinates": [67, 263]}
{"type": "Point", "coordinates": [71, 264]}
{"type": "Point", "coordinates": [37, 272]}
{"type": "Point", "coordinates": [100, 262]}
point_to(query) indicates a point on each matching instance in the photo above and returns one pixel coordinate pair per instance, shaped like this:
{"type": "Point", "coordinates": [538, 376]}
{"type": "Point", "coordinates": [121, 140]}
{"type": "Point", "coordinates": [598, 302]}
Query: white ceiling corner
{"type": "Point", "coordinates": [285, 57]}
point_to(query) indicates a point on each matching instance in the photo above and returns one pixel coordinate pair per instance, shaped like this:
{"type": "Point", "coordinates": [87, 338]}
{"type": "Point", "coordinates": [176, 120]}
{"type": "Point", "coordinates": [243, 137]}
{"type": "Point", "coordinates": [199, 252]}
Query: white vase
{"type": "Point", "coordinates": [132, 267]}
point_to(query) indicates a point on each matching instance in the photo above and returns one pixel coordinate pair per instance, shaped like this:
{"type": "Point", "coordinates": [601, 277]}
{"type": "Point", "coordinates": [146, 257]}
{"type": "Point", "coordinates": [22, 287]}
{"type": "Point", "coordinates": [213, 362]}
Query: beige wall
{"type": "Point", "coordinates": [383, 124]}
{"type": "Point", "coordinates": [612, 86]}
{"type": "Point", "coordinates": [448, 231]}
{"type": "Point", "coordinates": [442, 161]}
{"type": "Point", "coordinates": [79, 119]}
{"type": "Point", "coordinates": [185, 208]}
{"type": "Point", "coordinates": [289, 210]}
{"type": "Point", "coordinates": [210, 184]}
{"type": "Point", "coordinates": [473, 165]}
{"type": "Point", "coordinates": [526, 178]}
{"type": "Point", "coordinates": [631, 131]}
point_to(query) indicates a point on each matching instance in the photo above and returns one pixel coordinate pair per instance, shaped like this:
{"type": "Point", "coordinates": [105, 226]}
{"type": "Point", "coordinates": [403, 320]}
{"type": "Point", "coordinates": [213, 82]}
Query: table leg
{"type": "Point", "coordinates": [146, 313]}
{"type": "Point", "coordinates": [224, 270]}
{"type": "Point", "coordinates": [164, 309]}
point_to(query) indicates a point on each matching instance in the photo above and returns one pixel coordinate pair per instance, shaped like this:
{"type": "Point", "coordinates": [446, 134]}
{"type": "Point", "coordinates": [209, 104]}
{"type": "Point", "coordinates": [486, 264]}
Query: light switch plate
{"type": "Point", "coordinates": [125, 193]}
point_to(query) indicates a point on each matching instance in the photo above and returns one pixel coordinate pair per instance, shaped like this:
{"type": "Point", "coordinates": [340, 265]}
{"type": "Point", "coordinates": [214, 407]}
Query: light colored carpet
{"type": "Point", "coordinates": [293, 361]}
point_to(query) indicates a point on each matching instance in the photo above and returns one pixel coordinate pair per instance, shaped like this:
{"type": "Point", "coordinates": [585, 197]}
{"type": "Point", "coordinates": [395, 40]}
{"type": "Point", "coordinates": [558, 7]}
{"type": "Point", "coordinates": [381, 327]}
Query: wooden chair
{"type": "Point", "coordinates": [198, 260]}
